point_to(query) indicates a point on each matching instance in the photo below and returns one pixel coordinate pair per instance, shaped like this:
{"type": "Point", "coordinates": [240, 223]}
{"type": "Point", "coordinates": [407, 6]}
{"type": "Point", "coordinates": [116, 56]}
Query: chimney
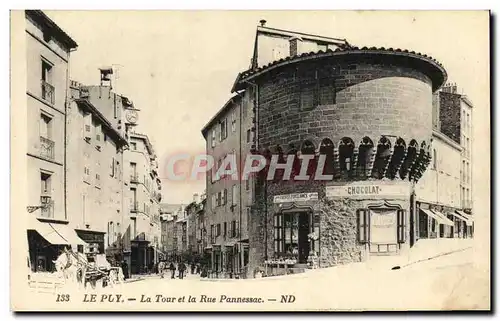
{"type": "Point", "coordinates": [106, 76]}
{"type": "Point", "coordinates": [263, 23]}
{"type": "Point", "coordinates": [196, 198]}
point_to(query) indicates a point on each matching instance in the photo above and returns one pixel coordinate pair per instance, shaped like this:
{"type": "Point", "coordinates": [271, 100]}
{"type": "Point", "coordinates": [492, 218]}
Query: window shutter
{"type": "Point", "coordinates": [363, 226]}
{"type": "Point", "coordinates": [401, 226]}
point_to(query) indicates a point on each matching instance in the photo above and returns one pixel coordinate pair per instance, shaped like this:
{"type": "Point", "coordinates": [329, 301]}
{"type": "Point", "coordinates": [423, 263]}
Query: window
{"type": "Point", "coordinates": [225, 229]}
{"type": "Point", "coordinates": [278, 233]}
{"type": "Point", "coordinates": [45, 126]}
{"type": "Point", "coordinates": [45, 180]}
{"type": "Point", "coordinates": [86, 174]}
{"type": "Point", "coordinates": [308, 95]}
{"type": "Point", "coordinates": [212, 233]}
{"type": "Point", "coordinates": [97, 180]}
{"type": "Point", "coordinates": [224, 197]}
{"type": "Point", "coordinates": [98, 136]}
{"type": "Point", "coordinates": [213, 138]}
{"type": "Point", "coordinates": [219, 196]}
{"type": "Point", "coordinates": [46, 71]}
{"type": "Point", "coordinates": [234, 194]}
{"type": "Point", "coordinates": [233, 122]}
{"type": "Point", "coordinates": [434, 159]}
{"type": "Point", "coordinates": [48, 92]}
{"type": "Point", "coordinates": [110, 233]}
{"type": "Point", "coordinates": [217, 230]}
{"type": "Point", "coordinates": [247, 184]}
{"type": "Point", "coordinates": [133, 146]}
{"type": "Point", "coordinates": [401, 226]}
{"type": "Point", "coordinates": [249, 135]}
{"type": "Point", "coordinates": [363, 226]}
{"type": "Point", "coordinates": [223, 130]}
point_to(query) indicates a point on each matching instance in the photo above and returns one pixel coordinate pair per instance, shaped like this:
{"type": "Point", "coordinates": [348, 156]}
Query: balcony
{"type": "Point", "coordinates": [48, 92]}
{"type": "Point", "coordinates": [134, 178]}
{"type": "Point", "coordinates": [134, 207]}
{"type": "Point", "coordinates": [48, 210]}
{"type": "Point", "coordinates": [46, 148]}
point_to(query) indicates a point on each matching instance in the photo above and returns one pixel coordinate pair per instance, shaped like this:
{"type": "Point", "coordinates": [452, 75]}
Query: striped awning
{"type": "Point", "coordinates": [466, 217]}
{"type": "Point", "coordinates": [445, 220]}
{"type": "Point", "coordinates": [437, 217]}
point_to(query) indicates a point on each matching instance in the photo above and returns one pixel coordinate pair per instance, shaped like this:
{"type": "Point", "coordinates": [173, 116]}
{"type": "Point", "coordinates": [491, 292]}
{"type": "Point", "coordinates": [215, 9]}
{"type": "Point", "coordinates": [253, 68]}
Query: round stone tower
{"type": "Point", "coordinates": [364, 118]}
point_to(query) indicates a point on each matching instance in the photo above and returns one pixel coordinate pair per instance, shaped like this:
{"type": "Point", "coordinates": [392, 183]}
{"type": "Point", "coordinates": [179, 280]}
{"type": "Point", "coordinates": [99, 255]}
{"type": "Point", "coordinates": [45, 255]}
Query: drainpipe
{"type": "Point", "coordinates": [257, 141]}
{"type": "Point", "coordinates": [66, 108]}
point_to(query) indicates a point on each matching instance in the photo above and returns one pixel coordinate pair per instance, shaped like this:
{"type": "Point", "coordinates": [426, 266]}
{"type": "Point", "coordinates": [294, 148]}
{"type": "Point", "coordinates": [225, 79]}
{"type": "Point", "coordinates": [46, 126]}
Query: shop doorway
{"type": "Point", "coordinates": [303, 232]}
{"type": "Point", "coordinates": [291, 235]}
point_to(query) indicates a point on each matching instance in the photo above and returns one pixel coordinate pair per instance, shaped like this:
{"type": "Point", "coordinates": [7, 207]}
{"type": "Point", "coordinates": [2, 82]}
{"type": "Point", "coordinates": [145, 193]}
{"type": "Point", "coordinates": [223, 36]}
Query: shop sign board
{"type": "Point", "coordinates": [296, 197]}
{"type": "Point", "coordinates": [368, 190]}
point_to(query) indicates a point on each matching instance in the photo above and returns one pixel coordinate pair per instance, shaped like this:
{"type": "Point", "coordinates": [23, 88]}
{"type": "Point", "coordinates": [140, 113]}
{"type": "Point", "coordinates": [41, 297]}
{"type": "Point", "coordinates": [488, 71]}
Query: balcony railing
{"type": "Point", "coordinates": [46, 148]}
{"type": "Point", "coordinates": [134, 207]}
{"type": "Point", "coordinates": [134, 178]}
{"type": "Point", "coordinates": [48, 209]}
{"type": "Point", "coordinates": [48, 92]}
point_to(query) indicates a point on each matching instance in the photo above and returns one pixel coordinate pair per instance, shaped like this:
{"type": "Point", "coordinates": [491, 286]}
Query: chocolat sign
{"type": "Point", "coordinates": [368, 190]}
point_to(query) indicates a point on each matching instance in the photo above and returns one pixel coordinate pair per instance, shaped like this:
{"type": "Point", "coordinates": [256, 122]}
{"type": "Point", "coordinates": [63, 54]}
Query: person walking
{"type": "Point", "coordinates": [172, 270]}
{"type": "Point", "coordinates": [182, 269]}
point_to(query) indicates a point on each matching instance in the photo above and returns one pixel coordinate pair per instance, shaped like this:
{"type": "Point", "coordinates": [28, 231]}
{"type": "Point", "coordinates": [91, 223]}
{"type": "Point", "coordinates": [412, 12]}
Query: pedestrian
{"type": "Point", "coordinates": [125, 270]}
{"type": "Point", "coordinates": [172, 270]}
{"type": "Point", "coordinates": [192, 267]}
{"type": "Point", "coordinates": [161, 268]}
{"type": "Point", "coordinates": [182, 269]}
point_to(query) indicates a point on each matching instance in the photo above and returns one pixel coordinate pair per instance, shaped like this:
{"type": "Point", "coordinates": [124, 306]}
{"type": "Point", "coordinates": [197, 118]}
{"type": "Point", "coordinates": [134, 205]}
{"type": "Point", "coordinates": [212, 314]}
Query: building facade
{"type": "Point", "coordinates": [47, 55]}
{"type": "Point", "coordinates": [365, 113]}
{"type": "Point", "coordinates": [445, 189]}
{"type": "Point", "coordinates": [229, 139]}
{"type": "Point", "coordinates": [144, 194]}
{"type": "Point", "coordinates": [95, 173]}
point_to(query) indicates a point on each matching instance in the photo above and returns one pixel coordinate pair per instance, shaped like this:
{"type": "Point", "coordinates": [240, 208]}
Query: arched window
{"type": "Point", "coordinates": [382, 157]}
{"type": "Point", "coordinates": [397, 158]}
{"type": "Point", "coordinates": [309, 149]}
{"type": "Point", "coordinates": [346, 154]}
{"type": "Point", "coordinates": [364, 157]}
{"type": "Point", "coordinates": [327, 149]}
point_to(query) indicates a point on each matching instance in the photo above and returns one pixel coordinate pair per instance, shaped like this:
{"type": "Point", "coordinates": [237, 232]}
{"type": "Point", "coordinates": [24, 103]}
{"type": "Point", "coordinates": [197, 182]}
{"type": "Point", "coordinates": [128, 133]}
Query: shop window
{"type": "Point", "coordinates": [278, 233]}
{"type": "Point", "coordinates": [401, 226]}
{"type": "Point", "coordinates": [363, 226]}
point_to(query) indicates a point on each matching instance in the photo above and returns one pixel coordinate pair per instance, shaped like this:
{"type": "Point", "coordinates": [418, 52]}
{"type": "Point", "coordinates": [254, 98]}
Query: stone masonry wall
{"type": "Point", "coordinates": [338, 233]}
{"type": "Point", "coordinates": [449, 115]}
{"type": "Point", "coordinates": [372, 98]}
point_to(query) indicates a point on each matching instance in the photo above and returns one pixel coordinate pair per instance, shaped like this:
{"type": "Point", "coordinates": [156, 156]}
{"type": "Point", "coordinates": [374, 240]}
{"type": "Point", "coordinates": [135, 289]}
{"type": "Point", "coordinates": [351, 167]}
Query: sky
{"type": "Point", "coordinates": [178, 67]}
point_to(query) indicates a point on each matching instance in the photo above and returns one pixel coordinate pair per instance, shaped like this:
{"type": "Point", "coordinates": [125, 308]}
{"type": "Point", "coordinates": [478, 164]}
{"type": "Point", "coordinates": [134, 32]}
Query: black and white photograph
{"type": "Point", "coordinates": [170, 160]}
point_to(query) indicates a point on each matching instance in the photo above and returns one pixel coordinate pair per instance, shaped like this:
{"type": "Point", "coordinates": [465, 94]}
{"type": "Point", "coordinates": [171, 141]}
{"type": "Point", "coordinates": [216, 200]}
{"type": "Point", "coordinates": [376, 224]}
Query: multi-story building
{"type": "Point", "coordinates": [450, 177]}
{"type": "Point", "coordinates": [229, 137]}
{"type": "Point", "coordinates": [170, 213]}
{"type": "Point", "coordinates": [366, 113]}
{"type": "Point", "coordinates": [48, 50]}
{"type": "Point", "coordinates": [144, 194]}
{"type": "Point", "coordinates": [95, 172]}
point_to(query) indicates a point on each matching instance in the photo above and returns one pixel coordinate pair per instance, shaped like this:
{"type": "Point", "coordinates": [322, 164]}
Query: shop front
{"type": "Point", "coordinates": [383, 213]}
{"type": "Point", "coordinates": [46, 241]}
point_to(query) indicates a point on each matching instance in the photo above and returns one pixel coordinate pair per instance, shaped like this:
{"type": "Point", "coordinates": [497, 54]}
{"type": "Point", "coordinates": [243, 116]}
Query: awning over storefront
{"type": "Point", "coordinates": [437, 217]}
{"type": "Point", "coordinates": [466, 217]}
{"type": "Point", "coordinates": [445, 220]}
{"type": "Point", "coordinates": [55, 234]}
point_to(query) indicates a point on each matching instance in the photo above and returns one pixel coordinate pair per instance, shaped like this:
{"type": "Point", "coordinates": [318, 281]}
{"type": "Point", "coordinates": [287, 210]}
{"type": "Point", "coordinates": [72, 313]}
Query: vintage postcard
{"type": "Point", "coordinates": [250, 160]}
